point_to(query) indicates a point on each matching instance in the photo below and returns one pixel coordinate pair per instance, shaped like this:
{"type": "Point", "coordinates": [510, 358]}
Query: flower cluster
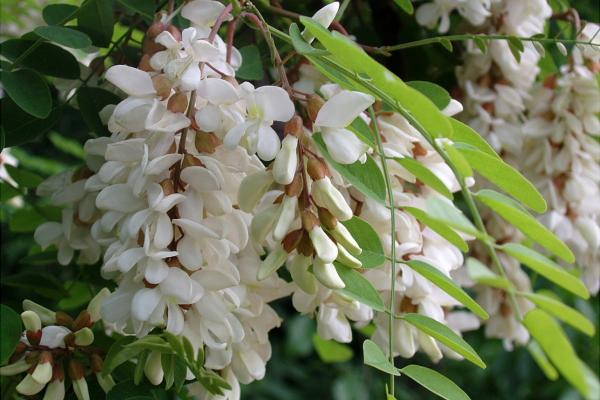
{"type": "Point", "coordinates": [52, 341]}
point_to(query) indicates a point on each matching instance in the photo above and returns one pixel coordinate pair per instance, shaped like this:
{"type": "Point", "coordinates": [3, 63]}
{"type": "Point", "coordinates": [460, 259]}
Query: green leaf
{"type": "Point", "coordinates": [300, 45]}
{"type": "Point", "coordinates": [516, 47]}
{"type": "Point", "coordinates": [547, 268]}
{"type": "Point", "coordinates": [481, 43]}
{"type": "Point", "coordinates": [541, 360]}
{"type": "Point", "coordinates": [66, 145]}
{"type": "Point", "coordinates": [366, 177]}
{"type": "Point", "coordinates": [29, 91]}
{"type": "Point", "coordinates": [465, 134]}
{"type": "Point", "coordinates": [138, 374]}
{"type": "Point", "coordinates": [143, 7]}
{"type": "Point", "coordinates": [437, 94]}
{"type": "Point", "coordinates": [91, 101]}
{"type": "Point", "coordinates": [10, 322]}
{"type": "Point", "coordinates": [447, 285]}
{"type": "Point", "coordinates": [362, 131]}
{"type": "Point", "coordinates": [118, 353]}
{"type": "Point", "coordinates": [252, 67]}
{"type": "Point", "coordinates": [504, 176]}
{"type": "Point", "coordinates": [18, 127]}
{"type": "Point", "coordinates": [58, 14]}
{"type": "Point", "coordinates": [482, 274]}
{"type": "Point", "coordinates": [151, 342]}
{"type": "Point", "coordinates": [175, 343]}
{"type": "Point", "coordinates": [359, 288]}
{"type": "Point", "coordinates": [374, 357]}
{"type": "Point", "coordinates": [548, 333]}
{"type": "Point", "coordinates": [7, 191]}
{"type": "Point", "coordinates": [330, 351]}
{"type": "Point", "coordinates": [372, 251]}
{"type": "Point", "coordinates": [96, 18]}
{"type": "Point", "coordinates": [347, 54]}
{"type": "Point", "coordinates": [42, 283]}
{"type": "Point", "coordinates": [444, 335]}
{"type": "Point", "coordinates": [458, 160]}
{"type": "Point", "coordinates": [424, 175]}
{"type": "Point", "coordinates": [438, 227]}
{"type": "Point", "coordinates": [445, 212]}
{"type": "Point", "coordinates": [23, 177]}
{"type": "Point", "coordinates": [447, 44]}
{"type": "Point", "coordinates": [563, 312]}
{"type": "Point", "coordinates": [25, 220]}
{"type": "Point", "coordinates": [167, 362]}
{"type": "Point", "coordinates": [405, 5]}
{"type": "Point", "coordinates": [79, 295]}
{"type": "Point", "coordinates": [127, 390]}
{"type": "Point", "coordinates": [64, 36]}
{"type": "Point", "coordinates": [435, 382]}
{"type": "Point", "coordinates": [512, 212]}
{"type": "Point", "coordinates": [46, 58]}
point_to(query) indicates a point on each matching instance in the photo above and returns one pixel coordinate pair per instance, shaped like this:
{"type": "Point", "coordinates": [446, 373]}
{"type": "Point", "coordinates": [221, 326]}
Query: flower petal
{"type": "Point", "coordinates": [132, 81]}
{"type": "Point", "coordinates": [340, 110]}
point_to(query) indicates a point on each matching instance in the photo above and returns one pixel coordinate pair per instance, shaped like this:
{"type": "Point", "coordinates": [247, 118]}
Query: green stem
{"type": "Point", "coordinates": [390, 193]}
{"type": "Point", "coordinates": [458, 38]}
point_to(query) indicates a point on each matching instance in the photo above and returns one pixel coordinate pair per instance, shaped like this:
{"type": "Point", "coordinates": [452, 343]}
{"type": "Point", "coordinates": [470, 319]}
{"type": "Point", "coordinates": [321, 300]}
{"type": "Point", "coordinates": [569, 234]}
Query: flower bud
{"type": "Point", "coordinates": [163, 86]}
{"type": "Point", "coordinates": [31, 321]}
{"type": "Point", "coordinates": [153, 368]}
{"type": "Point", "coordinates": [80, 387]}
{"type": "Point", "coordinates": [106, 382]}
{"type": "Point", "coordinates": [298, 268]}
{"type": "Point", "coordinates": [325, 248]}
{"type": "Point", "coordinates": [47, 316]}
{"type": "Point", "coordinates": [144, 64]}
{"type": "Point", "coordinates": [83, 320]}
{"type": "Point", "coordinates": [272, 263]}
{"type": "Point", "coordinates": [55, 390]}
{"type": "Point", "coordinates": [29, 386]}
{"type": "Point", "coordinates": [343, 236]}
{"type": "Point", "coordinates": [286, 217]}
{"type": "Point", "coordinates": [316, 169]}
{"type": "Point", "coordinates": [149, 46]}
{"type": "Point", "coordinates": [327, 275]}
{"type": "Point", "coordinates": [84, 337]}
{"type": "Point", "coordinates": [95, 304]}
{"type": "Point", "coordinates": [295, 187]}
{"type": "Point", "coordinates": [64, 319]}
{"type": "Point", "coordinates": [326, 218]}
{"type": "Point", "coordinates": [15, 368]}
{"type": "Point", "coordinates": [292, 240]}
{"type": "Point", "coordinates": [327, 196]}
{"type": "Point", "coordinates": [309, 220]}
{"type": "Point", "coordinates": [155, 29]}
{"type": "Point", "coordinates": [286, 161]}
{"type": "Point", "coordinates": [346, 258]}
{"type": "Point", "coordinates": [43, 370]}
{"type": "Point", "coordinates": [207, 142]}
{"type": "Point", "coordinates": [294, 127]}
{"type": "Point", "coordinates": [175, 32]}
{"type": "Point", "coordinates": [262, 223]}
{"type": "Point", "coordinates": [252, 189]}
{"type": "Point", "coordinates": [34, 337]}
{"type": "Point", "coordinates": [315, 102]}
{"type": "Point", "coordinates": [178, 103]}
{"type": "Point", "coordinates": [305, 246]}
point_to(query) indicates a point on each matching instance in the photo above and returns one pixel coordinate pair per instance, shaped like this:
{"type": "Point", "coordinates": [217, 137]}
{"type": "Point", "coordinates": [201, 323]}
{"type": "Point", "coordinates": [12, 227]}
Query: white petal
{"type": "Point", "coordinates": [343, 145]}
{"type": "Point", "coordinates": [275, 103]}
{"type": "Point", "coordinates": [156, 271]}
{"type": "Point", "coordinates": [217, 91]}
{"type": "Point", "coordinates": [268, 143]}
{"type": "Point", "coordinates": [233, 137]}
{"type": "Point", "coordinates": [132, 81]}
{"type": "Point", "coordinates": [118, 198]}
{"type": "Point", "coordinates": [202, 12]}
{"type": "Point", "coordinates": [175, 319]}
{"type": "Point", "coordinates": [324, 247]}
{"type": "Point", "coordinates": [129, 258]}
{"type": "Point", "coordinates": [340, 110]}
{"type": "Point", "coordinates": [286, 162]}
{"type": "Point", "coordinates": [190, 77]}
{"type": "Point", "coordinates": [144, 303]}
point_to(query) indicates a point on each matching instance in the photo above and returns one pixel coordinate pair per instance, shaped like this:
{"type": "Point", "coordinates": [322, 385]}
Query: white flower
{"type": "Point", "coordinates": [264, 105]}
{"type": "Point", "coordinates": [429, 14]}
{"type": "Point", "coordinates": [324, 16]}
{"type": "Point", "coordinates": [221, 112]}
{"type": "Point", "coordinates": [286, 161]}
{"type": "Point", "coordinates": [327, 196]}
{"type": "Point", "coordinates": [334, 116]}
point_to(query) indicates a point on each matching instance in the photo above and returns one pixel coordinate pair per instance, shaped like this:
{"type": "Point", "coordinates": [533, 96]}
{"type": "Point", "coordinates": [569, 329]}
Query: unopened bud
{"type": "Point", "coordinates": [343, 236]}
{"type": "Point", "coordinates": [175, 32]}
{"type": "Point", "coordinates": [346, 258]}
{"type": "Point", "coordinates": [43, 370]}
{"type": "Point", "coordinates": [309, 220]}
{"type": "Point", "coordinates": [327, 219]}
{"type": "Point", "coordinates": [31, 321]}
{"type": "Point", "coordinates": [295, 187]}
{"type": "Point", "coordinates": [29, 386]}
{"type": "Point", "coordinates": [207, 142]}
{"type": "Point", "coordinates": [325, 248]}
{"type": "Point", "coordinates": [252, 189]}
{"type": "Point", "coordinates": [153, 368]}
{"type": "Point", "coordinates": [64, 319]}
{"type": "Point", "coordinates": [156, 28]}
{"type": "Point", "coordinates": [286, 217]}
{"type": "Point", "coordinates": [163, 86]}
{"type": "Point", "coordinates": [96, 363]}
{"type": "Point", "coordinates": [76, 369]}
{"type": "Point", "coordinates": [149, 46]}
{"type": "Point", "coordinates": [167, 187]}
{"type": "Point", "coordinates": [47, 316]}
{"type": "Point", "coordinates": [316, 169]}
{"type": "Point", "coordinates": [34, 337]}
{"type": "Point", "coordinates": [315, 102]}
{"type": "Point", "coordinates": [294, 127]}
{"type": "Point", "coordinates": [83, 320]}
{"type": "Point", "coordinates": [286, 161]}
{"type": "Point", "coordinates": [15, 368]}
{"type": "Point", "coordinates": [84, 337]}
{"type": "Point", "coordinates": [305, 246]}
{"type": "Point", "coordinates": [302, 277]}
{"type": "Point", "coordinates": [55, 390]}
{"type": "Point", "coordinates": [106, 382]}
{"type": "Point", "coordinates": [327, 196]}
{"type": "Point", "coordinates": [191, 161]}
{"type": "Point", "coordinates": [80, 387]}
{"type": "Point", "coordinates": [292, 240]}
{"type": "Point", "coordinates": [95, 304]}
{"type": "Point", "coordinates": [327, 275]}
{"type": "Point", "coordinates": [178, 103]}
{"type": "Point", "coordinates": [272, 263]}
{"type": "Point", "coordinates": [144, 63]}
